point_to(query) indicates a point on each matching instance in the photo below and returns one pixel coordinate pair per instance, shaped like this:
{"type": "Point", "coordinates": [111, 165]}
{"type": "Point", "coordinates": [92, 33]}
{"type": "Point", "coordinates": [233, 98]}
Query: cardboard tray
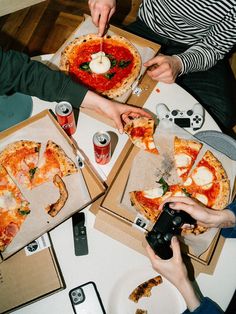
{"type": "Point", "coordinates": [93, 183]}
{"type": "Point", "coordinates": [26, 279]}
{"type": "Point", "coordinates": [111, 205]}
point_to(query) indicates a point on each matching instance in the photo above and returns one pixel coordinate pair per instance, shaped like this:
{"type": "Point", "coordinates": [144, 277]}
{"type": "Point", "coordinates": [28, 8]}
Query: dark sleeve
{"type": "Point", "coordinates": [207, 306]}
{"type": "Point", "coordinates": [20, 74]}
{"type": "Point", "coordinates": [230, 232]}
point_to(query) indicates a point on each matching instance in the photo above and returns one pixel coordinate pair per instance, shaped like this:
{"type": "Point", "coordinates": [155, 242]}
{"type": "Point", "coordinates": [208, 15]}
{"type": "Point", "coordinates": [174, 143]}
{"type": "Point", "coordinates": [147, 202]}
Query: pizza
{"type": "Point", "coordinates": [185, 154]}
{"type": "Point", "coordinates": [140, 131]}
{"type": "Point", "coordinates": [144, 289]}
{"type": "Point", "coordinates": [19, 167]}
{"type": "Point", "coordinates": [55, 161]}
{"type": "Point", "coordinates": [207, 182]}
{"type": "Point", "coordinates": [14, 209]}
{"type": "Point", "coordinates": [20, 160]}
{"type": "Point", "coordinates": [53, 209]}
{"type": "Point", "coordinates": [108, 65]}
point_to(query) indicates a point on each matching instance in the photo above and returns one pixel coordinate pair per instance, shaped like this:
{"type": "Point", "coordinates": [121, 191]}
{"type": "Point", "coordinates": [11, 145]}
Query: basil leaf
{"type": "Point", "coordinates": [186, 192]}
{"type": "Point", "coordinates": [109, 75]}
{"type": "Point", "coordinates": [113, 63]}
{"type": "Point", "coordinates": [23, 212]}
{"type": "Point", "coordinates": [164, 185]}
{"type": "Point", "coordinates": [32, 172]}
{"type": "Point", "coordinates": [84, 66]}
{"type": "Point", "coordinates": [123, 63]}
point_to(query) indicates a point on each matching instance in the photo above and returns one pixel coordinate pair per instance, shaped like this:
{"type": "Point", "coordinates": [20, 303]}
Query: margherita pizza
{"type": "Point", "coordinates": [107, 65]}
{"type": "Point", "coordinates": [185, 154]}
{"type": "Point", "coordinates": [140, 132]}
{"type": "Point", "coordinates": [144, 289]}
{"type": "Point", "coordinates": [13, 209]}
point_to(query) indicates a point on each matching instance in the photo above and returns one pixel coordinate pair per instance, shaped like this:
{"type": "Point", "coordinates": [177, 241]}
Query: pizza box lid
{"type": "Point", "coordinates": [38, 262]}
{"type": "Point", "coordinates": [83, 189]}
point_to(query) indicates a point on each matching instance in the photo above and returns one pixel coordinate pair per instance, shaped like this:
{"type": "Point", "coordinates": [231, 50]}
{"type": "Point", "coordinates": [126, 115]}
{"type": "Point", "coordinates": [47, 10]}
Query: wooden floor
{"type": "Point", "coordinates": [42, 28]}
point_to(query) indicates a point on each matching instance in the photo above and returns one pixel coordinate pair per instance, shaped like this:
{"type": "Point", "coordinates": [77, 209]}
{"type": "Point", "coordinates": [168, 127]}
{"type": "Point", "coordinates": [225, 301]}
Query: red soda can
{"type": "Point", "coordinates": [65, 117]}
{"type": "Point", "coordinates": [102, 147]}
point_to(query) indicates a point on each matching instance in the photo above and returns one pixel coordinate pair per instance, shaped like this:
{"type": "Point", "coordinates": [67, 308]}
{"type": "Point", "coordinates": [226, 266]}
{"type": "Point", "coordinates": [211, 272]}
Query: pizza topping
{"type": "Point", "coordinates": [154, 193]}
{"type": "Point", "coordinates": [182, 160]}
{"type": "Point", "coordinates": [202, 176]}
{"type": "Point", "coordinates": [99, 63]}
{"type": "Point", "coordinates": [188, 181]}
{"type": "Point", "coordinates": [202, 198]}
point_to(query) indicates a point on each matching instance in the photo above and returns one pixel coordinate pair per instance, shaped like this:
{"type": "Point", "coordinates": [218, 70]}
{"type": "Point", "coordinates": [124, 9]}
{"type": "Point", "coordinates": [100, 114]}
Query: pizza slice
{"type": "Point", "coordinates": [209, 182]}
{"type": "Point", "coordinates": [20, 159]}
{"type": "Point", "coordinates": [140, 132]}
{"type": "Point", "coordinates": [147, 202]}
{"type": "Point", "coordinates": [55, 161]}
{"type": "Point", "coordinates": [13, 209]}
{"type": "Point", "coordinates": [144, 289]}
{"type": "Point", "coordinates": [185, 154]}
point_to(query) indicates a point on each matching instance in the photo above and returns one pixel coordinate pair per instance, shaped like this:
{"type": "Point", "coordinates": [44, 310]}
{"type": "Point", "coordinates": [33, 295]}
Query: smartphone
{"type": "Point", "coordinates": [85, 299]}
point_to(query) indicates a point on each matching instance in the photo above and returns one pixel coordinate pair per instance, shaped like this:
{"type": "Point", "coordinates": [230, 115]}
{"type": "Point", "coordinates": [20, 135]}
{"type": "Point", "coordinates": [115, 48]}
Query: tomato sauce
{"type": "Point", "coordinates": [106, 81]}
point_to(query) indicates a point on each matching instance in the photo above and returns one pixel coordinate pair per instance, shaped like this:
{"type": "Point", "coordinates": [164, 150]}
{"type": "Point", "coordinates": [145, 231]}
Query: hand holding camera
{"type": "Point", "coordinates": [168, 224]}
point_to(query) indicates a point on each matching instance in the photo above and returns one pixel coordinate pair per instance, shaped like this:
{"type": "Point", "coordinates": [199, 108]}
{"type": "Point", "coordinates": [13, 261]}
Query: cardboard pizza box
{"type": "Point", "coordinates": [31, 274]}
{"type": "Point", "coordinates": [110, 204]}
{"type": "Point", "coordinates": [83, 187]}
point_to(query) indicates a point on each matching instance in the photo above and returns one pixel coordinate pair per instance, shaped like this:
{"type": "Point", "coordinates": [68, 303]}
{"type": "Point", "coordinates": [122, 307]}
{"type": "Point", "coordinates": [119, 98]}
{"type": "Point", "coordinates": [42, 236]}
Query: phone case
{"type": "Point", "coordinates": [85, 299]}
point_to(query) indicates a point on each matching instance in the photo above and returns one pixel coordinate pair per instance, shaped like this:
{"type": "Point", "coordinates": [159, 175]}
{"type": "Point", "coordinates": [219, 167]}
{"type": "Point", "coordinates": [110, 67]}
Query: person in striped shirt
{"type": "Point", "coordinates": [196, 38]}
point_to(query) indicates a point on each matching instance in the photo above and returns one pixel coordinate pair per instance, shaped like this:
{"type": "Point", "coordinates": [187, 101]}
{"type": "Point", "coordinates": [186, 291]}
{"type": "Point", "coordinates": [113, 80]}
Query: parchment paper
{"type": "Point", "coordinates": [148, 168]}
{"type": "Point", "coordinates": [39, 221]}
{"type": "Point", "coordinates": [87, 27]}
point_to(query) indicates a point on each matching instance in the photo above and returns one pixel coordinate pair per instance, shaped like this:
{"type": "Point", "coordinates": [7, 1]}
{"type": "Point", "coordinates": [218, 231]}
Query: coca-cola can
{"type": "Point", "coordinates": [102, 147]}
{"type": "Point", "coordinates": [65, 117]}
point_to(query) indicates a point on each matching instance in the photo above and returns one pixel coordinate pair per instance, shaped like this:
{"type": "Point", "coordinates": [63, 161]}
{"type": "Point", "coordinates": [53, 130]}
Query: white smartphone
{"type": "Point", "coordinates": [85, 299]}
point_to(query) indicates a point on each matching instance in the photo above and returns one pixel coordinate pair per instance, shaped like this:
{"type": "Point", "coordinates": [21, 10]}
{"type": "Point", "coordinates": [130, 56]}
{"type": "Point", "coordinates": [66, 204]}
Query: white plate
{"type": "Point", "coordinates": [164, 299]}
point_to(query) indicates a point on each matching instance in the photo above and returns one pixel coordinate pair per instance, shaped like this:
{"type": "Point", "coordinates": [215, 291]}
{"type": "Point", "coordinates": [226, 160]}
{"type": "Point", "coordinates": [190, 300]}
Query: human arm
{"type": "Point", "coordinates": [204, 216]}
{"type": "Point", "coordinates": [101, 12]}
{"type": "Point", "coordinates": [175, 271]}
{"type": "Point", "coordinates": [20, 74]}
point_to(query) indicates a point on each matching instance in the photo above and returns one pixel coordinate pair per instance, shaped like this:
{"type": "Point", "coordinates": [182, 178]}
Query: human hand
{"type": "Point", "coordinates": [175, 271]}
{"type": "Point", "coordinates": [205, 217]}
{"type": "Point", "coordinates": [101, 12]}
{"type": "Point", "coordinates": [164, 68]}
{"type": "Point", "coordinates": [119, 113]}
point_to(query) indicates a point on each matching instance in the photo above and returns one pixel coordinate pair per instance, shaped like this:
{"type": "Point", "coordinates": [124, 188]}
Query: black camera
{"type": "Point", "coordinates": [168, 224]}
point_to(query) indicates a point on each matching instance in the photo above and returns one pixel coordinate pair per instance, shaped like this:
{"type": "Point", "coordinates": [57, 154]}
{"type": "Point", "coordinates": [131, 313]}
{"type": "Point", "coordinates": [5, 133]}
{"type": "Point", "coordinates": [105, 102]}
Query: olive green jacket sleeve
{"type": "Point", "coordinates": [20, 74]}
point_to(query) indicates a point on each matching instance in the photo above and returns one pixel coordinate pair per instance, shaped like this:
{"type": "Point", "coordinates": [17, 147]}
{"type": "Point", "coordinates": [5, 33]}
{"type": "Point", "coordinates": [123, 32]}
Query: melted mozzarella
{"type": "Point", "coordinates": [100, 63]}
{"type": "Point", "coordinates": [188, 182]}
{"type": "Point", "coordinates": [7, 201]}
{"type": "Point", "coordinates": [154, 193]}
{"type": "Point", "coordinates": [202, 176]}
{"type": "Point", "coordinates": [202, 198]}
{"type": "Point", "coordinates": [182, 160]}
{"type": "Point", "coordinates": [179, 193]}
{"type": "Point", "coordinates": [181, 171]}
{"type": "Point", "coordinates": [151, 145]}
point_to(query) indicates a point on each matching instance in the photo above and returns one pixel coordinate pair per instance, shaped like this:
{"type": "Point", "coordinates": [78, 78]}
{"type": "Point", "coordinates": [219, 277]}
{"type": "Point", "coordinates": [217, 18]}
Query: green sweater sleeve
{"type": "Point", "coordinates": [20, 74]}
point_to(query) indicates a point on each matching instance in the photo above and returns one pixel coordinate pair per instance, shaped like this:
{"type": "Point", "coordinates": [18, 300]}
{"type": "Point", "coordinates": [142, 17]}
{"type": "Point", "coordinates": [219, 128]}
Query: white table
{"type": "Point", "coordinates": [108, 260]}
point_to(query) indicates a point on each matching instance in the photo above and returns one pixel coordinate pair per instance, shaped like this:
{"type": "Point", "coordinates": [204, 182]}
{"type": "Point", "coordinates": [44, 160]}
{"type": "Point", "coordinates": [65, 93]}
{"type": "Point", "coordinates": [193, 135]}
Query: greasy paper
{"type": "Point", "coordinates": [39, 221]}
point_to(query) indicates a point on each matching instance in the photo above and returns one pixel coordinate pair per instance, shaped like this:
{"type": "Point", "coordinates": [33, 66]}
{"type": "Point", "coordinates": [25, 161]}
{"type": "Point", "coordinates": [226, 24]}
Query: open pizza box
{"type": "Point", "coordinates": [83, 187]}
{"type": "Point", "coordinates": [142, 87]}
{"type": "Point", "coordinates": [126, 224]}
{"type": "Point", "coordinates": [31, 274]}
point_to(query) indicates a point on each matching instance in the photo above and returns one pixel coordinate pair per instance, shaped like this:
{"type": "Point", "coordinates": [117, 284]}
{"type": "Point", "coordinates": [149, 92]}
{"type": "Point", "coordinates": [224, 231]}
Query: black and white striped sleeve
{"type": "Point", "coordinates": [213, 47]}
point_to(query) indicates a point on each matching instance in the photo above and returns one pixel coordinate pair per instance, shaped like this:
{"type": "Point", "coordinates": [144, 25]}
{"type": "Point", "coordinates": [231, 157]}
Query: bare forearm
{"type": "Point", "coordinates": [191, 299]}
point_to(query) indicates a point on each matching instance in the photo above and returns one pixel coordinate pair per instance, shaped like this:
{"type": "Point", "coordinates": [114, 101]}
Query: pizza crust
{"type": "Point", "coordinates": [121, 87]}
